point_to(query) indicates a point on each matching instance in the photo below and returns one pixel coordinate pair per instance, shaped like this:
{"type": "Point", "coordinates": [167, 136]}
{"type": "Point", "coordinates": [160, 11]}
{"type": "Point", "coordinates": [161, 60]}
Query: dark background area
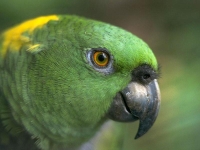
{"type": "Point", "coordinates": [172, 30]}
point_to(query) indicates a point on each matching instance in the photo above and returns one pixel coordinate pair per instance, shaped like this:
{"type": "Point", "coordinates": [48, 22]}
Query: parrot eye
{"type": "Point", "coordinates": [100, 59]}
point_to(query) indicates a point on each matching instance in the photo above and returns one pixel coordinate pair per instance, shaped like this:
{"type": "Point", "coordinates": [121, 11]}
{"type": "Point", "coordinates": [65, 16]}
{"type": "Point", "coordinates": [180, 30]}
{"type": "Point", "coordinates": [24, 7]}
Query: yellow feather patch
{"type": "Point", "coordinates": [34, 48]}
{"type": "Point", "coordinates": [14, 39]}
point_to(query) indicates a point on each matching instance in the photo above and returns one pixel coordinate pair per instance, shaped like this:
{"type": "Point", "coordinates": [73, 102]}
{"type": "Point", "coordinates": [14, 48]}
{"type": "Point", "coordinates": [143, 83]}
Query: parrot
{"type": "Point", "coordinates": [64, 77]}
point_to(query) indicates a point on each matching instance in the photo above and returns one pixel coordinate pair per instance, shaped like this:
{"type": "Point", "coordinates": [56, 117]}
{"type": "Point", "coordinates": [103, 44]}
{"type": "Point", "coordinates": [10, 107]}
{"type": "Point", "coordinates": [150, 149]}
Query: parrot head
{"type": "Point", "coordinates": [76, 73]}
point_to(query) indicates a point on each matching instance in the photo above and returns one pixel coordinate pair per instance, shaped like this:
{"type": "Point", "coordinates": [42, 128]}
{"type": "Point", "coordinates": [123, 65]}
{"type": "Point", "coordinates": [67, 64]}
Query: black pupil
{"type": "Point", "coordinates": [146, 76]}
{"type": "Point", "coordinates": [101, 57]}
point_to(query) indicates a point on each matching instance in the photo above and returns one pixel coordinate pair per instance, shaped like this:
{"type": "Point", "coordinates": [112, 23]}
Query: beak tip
{"type": "Point", "coordinates": [137, 136]}
{"type": "Point", "coordinates": [140, 133]}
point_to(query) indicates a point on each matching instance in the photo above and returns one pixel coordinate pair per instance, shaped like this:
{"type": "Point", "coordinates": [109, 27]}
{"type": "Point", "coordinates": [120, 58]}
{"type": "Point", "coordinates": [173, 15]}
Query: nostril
{"type": "Point", "coordinates": [146, 76]}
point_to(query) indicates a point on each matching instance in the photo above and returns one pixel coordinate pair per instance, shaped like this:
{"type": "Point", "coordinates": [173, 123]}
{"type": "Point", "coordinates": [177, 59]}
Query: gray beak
{"type": "Point", "coordinates": [137, 101]}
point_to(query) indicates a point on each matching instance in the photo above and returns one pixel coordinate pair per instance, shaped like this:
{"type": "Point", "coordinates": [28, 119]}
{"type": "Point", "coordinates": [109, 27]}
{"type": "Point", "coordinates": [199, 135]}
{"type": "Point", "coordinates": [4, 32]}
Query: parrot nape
{"type": "Point", "coordinates": [63, 76]}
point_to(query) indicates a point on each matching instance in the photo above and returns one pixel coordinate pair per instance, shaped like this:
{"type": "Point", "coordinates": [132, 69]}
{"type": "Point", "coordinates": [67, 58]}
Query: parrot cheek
{"type": "Point", "coordinates": [134, 102]}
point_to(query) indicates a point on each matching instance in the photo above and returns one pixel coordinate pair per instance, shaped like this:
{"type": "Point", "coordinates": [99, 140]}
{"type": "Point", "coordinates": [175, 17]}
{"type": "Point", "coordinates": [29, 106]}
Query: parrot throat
{"type": "Point", "coordinates": [12, 134]}
{"type": "Point", "coordinates": [15, 134]}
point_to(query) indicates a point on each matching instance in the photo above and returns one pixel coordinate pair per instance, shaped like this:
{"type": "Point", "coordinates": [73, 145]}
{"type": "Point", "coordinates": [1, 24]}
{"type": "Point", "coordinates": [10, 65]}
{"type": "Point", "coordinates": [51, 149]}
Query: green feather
{"type": "Point", "coordinates": [51, 90]}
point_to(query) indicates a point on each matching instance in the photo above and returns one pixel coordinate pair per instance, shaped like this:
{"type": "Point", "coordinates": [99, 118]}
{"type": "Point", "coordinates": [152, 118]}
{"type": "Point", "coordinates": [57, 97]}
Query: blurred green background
{"type": "Point", "coordinates": [172, 29]}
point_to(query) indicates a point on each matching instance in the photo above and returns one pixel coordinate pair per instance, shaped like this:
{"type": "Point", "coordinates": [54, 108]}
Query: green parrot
{"type": "Point", "coordinates": [63, 77]}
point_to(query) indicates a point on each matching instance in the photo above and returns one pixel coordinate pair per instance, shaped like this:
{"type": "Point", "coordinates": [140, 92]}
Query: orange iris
{"type": "Point", "coordinates": [101, 58]}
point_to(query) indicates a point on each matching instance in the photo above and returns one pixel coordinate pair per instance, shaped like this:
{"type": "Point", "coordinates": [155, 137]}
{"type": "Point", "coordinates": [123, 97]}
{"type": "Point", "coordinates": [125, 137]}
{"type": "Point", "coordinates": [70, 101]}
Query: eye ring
{"type": "Point", "coordinates": [100, 58]}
